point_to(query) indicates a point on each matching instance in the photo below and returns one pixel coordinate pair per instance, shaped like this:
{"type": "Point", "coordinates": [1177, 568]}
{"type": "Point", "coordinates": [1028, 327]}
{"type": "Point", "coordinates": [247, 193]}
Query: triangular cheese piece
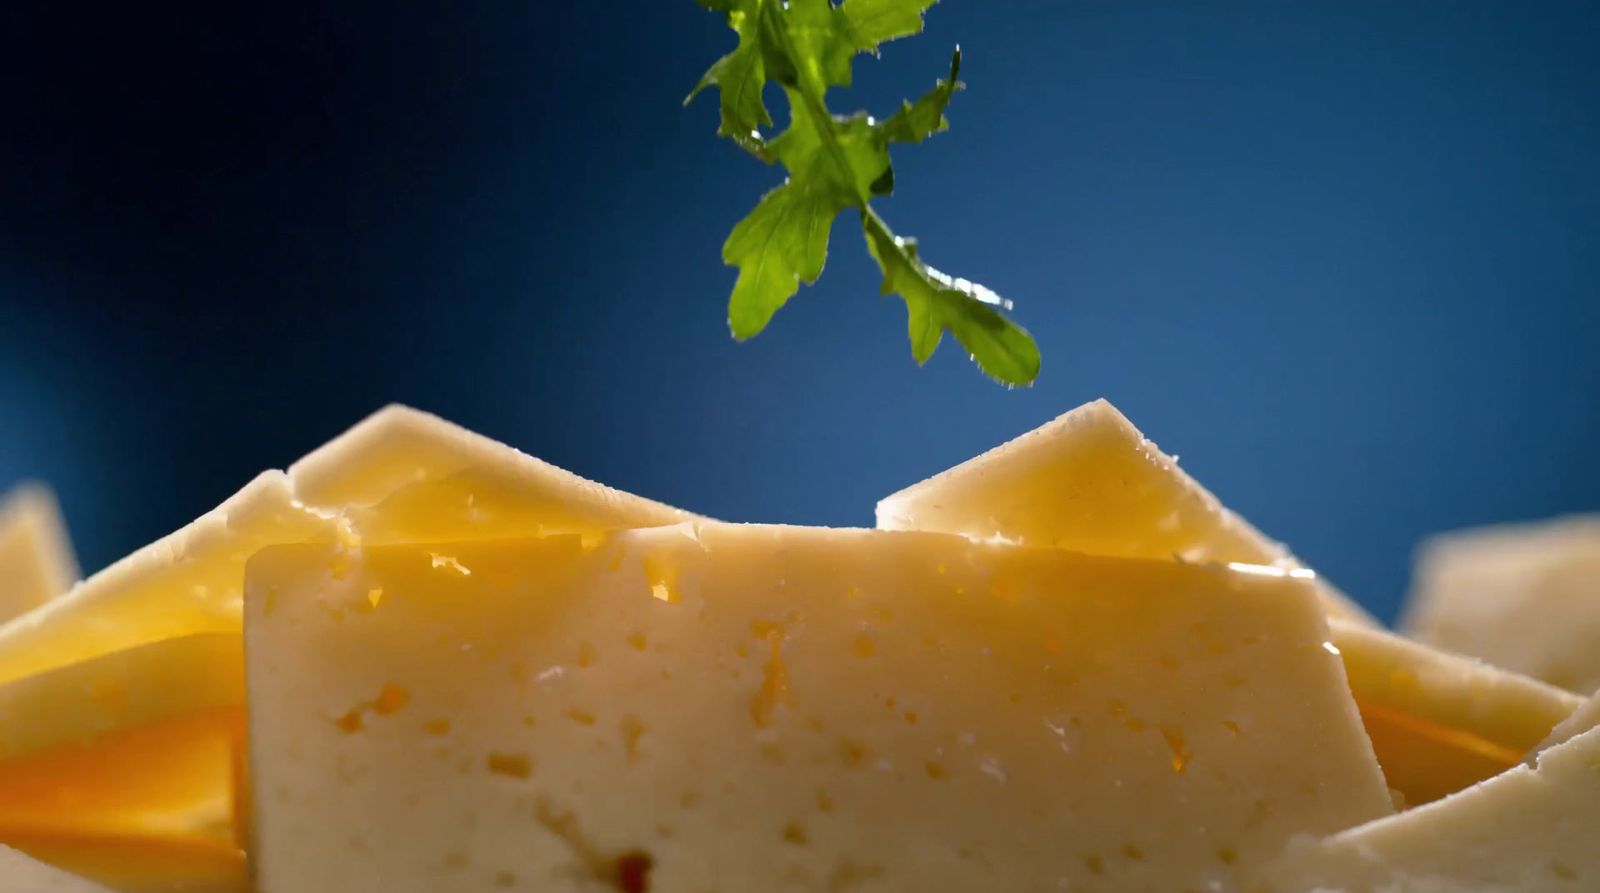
{"type": "Point", "coordinates": [1090, 482]}
{"type": "Point", "coordinates": [748, 707]}
{"type": "Point", "coordinates": [138, 865]}
{"type": "Point", "coordinates": [36, 562]}
{"type": "Point", "coordinates": [1523, 596]}
{"type": "Point", "coordinates": [1528, 829]}
{"type": "Point", "coordinates": [21, 874]}
{"type": "Point", "coordinates": [1441, 722]}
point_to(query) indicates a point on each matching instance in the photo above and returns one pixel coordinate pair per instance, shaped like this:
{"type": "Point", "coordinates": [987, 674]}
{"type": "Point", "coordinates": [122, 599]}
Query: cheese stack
{"type": "Point", "coordinates": [420, 660]}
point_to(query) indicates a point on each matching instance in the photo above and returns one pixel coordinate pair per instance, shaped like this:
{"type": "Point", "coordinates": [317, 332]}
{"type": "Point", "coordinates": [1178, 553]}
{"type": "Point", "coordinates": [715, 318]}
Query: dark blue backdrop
{"type": "Point", "coordinates": [1340, 256]}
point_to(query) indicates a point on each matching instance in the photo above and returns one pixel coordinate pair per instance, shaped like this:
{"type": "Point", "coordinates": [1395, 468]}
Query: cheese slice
{"type": "Point", "coordinates": [1441, 722]}
{"type": "Point", "coordinates": [21, 874]}
{"type": "Point", "coordinates": [1090, 482]}
{"type": "Point", "coordinates": [720, 707]}
{"type": "Point", "coordinates": [36, 562]}
{"type": "Point", "coordinates": [1528, 830]}
{"type": "Point", "coordinates": [1523, 596]}
{"type": "Point", "coordinates": [1581, 720]}
{"type": "Point", "coordinates": [134, 742]}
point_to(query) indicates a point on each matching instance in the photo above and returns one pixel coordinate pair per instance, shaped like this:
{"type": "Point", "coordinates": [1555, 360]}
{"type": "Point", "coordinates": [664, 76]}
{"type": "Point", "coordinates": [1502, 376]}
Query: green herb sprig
{"type": "Point", "coordinates": [841, 162]}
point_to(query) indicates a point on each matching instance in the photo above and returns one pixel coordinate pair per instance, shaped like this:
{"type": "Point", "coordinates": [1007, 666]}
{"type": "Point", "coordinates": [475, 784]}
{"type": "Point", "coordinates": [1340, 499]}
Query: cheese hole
{"type": "Point", "coordinates": [795, 833]}
{"type": "Point", "coordinates": [585, 654]}
{"type": "Point", "coordinates": [505, 879]}
{"type": "Point", "coordinates": [936, 770]}
{"type": "Point", "coordinates": [1226, 855]}
{"type": "Point", "coordinates": [1179, 747]}
{"type": "Point", "coordinates": [1133, 852]}
{"type": "Point", "coordinates": [1095, 864]}
{"type": "Point", "coordinates": [511, 765]}
{"type": "Point", "coordinates": [633, 872]}
{"type": "Point", "coordinates": [440, 726]}
{"type": "Point", "coordinates": [580, 716]}
{"type": "Point", "coordinates": [636, 641]}
{"type": "Point", "coordinates": [390, 700]}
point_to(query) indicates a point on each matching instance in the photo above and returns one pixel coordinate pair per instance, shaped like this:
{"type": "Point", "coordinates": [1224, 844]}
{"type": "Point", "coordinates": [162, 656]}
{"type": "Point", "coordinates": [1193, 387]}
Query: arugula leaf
{"type": "Point", "coordinates": [835, 163]}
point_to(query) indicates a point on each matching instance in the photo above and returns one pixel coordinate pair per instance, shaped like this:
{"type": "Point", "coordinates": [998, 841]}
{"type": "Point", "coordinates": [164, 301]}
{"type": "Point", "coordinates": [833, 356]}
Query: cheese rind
{"type": "Point", "coordinates": [1089, 481]}
{"type": "Point", "coordinates": [19, 873]}
{"type": "Point", "coordinates": [36, 561]}
{"type": "Point", "coordinates": [1441, 722]}
{"type": "Point", "coordinates": [1523, 596]}
{"type": "Point", "coordinates": [1528, 829]}
{"type": "Point", "coordinates": [746, 707]}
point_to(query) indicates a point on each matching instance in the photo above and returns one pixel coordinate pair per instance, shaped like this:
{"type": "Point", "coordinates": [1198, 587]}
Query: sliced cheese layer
{"type": "Point", "coordinates": [135, 742]}
{"type": "Point", "coordinates": [1523, 596]}
{"type": "Point", "coordinates": [139, 865]}
{"type": "Point", "coordinates": [121, 703]}
{"type": "Point", "coordinates": [1089, 482]}
{"type": "Point", "coordinates": [19, 873]}
{"type": "Point", "coordinates": [1440, 722]}
{"type": "Point", "coordinates": [36, 562]}
{"type": "Point", "coordinates": [721, 708]}
{"type": "Point", "coordinates": [1528, 829]}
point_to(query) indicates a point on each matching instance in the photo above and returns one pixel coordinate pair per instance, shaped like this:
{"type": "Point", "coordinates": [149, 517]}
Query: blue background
{"type": "Point", "coordinates": [1340, 256]}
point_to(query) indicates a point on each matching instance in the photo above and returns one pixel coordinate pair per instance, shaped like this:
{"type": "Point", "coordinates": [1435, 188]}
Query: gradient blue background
{"type": "Point", "coordinates": [1340, 256]}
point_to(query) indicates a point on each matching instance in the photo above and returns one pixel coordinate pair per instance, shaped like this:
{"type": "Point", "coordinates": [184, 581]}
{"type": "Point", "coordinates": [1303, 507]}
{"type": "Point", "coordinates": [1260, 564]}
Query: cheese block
{"type": "Point", "coordinates": [721, 708]}
{"type": "Point", "coordinates": [36, 562]}
{"type": "Point", "coordinates": [1441, 722]}
{"type": "Point", "coordinates": [1528, 830]}
{"type": "Point", "coordinates": [21, 874]}
{"type": "Point", "coordinates": [1090, 482]}
{"type": "Point", "coordinates": [1523, 596]}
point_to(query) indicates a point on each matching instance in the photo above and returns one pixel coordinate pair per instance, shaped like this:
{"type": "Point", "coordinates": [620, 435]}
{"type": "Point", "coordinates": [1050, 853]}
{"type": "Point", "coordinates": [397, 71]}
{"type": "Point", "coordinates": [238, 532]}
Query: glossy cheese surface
{"type": "Point", "coordinates": [1089, 482]}
{"type": "Point", "coordinates": [36, 561]}
{"type": "Point", "coordinates": [1523, 596]}
{"type": "Point", "coordinates": [726, 708]}
{"type": "Point", "coordinates": [1441, 722]}
{"type": "Point", "coordinates": [1528, 830]}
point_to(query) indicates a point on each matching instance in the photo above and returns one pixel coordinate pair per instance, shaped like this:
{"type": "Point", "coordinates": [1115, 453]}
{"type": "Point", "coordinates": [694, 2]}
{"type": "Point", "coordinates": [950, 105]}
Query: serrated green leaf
{"type": "Point", "coordinates": [780, 244]}
{"type": "Point", "coordinates": [739, 78]}
{"type": "Point", "coordinates": [936, 302]}
{"type": "Point", "coordinates": [915, 122]}
{"type": "Point", "coordinates": [875, 21]}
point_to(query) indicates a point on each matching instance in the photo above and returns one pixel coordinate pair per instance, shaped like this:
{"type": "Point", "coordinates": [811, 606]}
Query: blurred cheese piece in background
{"type": "Point", "coordinates": [731, 707]}
{"type": "Point", "coordinates": [36, 561]}
{"type": "Point", "coordinates": [1090, 482]}
{"type": "Point", "coordinates": [21, 874]}
{"type": "Point", "coordinates": [1527, 830]}
{"type": "Point", "coordinates": [1523, 596]}
{"type": "Point", "coordinates": [121, 703]}
{"type": "Point", "coordinates": [1441, 722]}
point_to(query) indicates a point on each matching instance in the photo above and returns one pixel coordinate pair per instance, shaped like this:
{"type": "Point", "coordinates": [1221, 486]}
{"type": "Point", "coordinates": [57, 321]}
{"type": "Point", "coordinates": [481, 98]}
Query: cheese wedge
{"type": "Point", "coordinates": [1090, 482]}
{"type": "Point", "coordinates": [36, 562]}
{"type": "Point", "coordinates": [21, 874]}
{"type": "Point", "coordinates": [720, 707]}
{"type": "Point", "coordinates": [1440, 722]}
{"type": "Point", "coordinates": [131, 684]}
{"type": "Point", "coordinates": [1528, 830]}
{"type": "Point", "coordinates": [1523, 596]}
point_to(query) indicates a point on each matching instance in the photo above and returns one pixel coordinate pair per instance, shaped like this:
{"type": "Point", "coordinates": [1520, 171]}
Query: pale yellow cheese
{"type": "Point", "coordinates": [1090, 482]}
{"type": "Point", "coordinates": [1441, 722]}
{"type": "Point", "coordinates": [36, 562]}
{"type": "Point", "coordinates": [21, 874]}
{"type": "Point", "coordinates": [708, 708]}
{"type": "Point", "coordinates": [1523, 596]}
{"type": "Point", "coordinates": [1581, 720]}
{"type": "Point", "coordinates": [140, 865]}
{"type": "Point", "coordinates": [1528, 830]}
